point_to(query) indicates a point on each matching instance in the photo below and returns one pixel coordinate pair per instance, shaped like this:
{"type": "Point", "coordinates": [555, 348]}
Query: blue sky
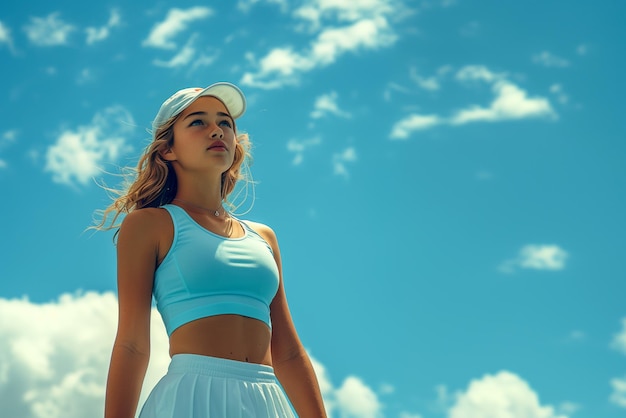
{"type": "Point", "coordinates": [446, 179]}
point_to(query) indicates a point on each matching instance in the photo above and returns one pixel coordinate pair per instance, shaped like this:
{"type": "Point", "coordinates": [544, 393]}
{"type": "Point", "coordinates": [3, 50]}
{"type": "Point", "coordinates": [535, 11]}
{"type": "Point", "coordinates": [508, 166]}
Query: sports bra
{"type": "Point", "coordinates": [205, 274]}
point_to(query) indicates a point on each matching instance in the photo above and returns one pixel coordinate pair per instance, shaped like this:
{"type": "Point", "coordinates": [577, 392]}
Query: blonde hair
{"type": "Point", "coordinates": [153, 183]}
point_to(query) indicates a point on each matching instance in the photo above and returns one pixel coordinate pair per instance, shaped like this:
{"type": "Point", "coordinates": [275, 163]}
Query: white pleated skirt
{"type": "Point", "coordinates": [208, 387]}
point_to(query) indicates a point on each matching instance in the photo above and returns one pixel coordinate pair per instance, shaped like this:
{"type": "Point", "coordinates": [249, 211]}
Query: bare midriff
{"type": "Point", "coordinates": [231, 337]}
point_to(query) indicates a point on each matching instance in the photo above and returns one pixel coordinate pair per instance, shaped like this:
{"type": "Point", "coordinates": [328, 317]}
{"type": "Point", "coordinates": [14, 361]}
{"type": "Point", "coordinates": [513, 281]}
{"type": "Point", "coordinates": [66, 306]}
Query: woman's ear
{"type": "Point", "coordinates": [168, 154]}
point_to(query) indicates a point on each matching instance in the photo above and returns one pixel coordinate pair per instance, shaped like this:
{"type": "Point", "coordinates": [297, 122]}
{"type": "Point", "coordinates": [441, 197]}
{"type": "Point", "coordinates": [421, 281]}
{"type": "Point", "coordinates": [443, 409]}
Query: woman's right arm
{"type": "Point", "coordinates": [137, 249]}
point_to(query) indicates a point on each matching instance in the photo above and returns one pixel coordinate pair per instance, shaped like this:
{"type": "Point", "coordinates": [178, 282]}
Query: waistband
{"type": "Point", "coordinates": [220, 367]}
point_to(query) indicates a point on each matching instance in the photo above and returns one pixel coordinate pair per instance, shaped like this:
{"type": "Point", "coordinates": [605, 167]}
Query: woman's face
{"type": "Point", "coordinates": [204, 137]}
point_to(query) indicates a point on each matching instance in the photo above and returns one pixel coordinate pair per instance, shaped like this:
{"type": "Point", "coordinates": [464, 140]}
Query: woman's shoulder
{"type": "Point", "coordinates": [145, 220]}
{"type": "Point", "coordinates": [263, 230]}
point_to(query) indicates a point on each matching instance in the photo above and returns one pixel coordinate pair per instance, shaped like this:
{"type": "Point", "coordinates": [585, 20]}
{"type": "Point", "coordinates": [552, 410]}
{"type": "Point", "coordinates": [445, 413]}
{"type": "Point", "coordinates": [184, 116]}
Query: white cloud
{"type": "Point", "coordinates": [619, 339]}
{"type": "Point", "coordinates": [54, 359]}
{"type": "Point", "coordinates": [54, 356]}
{"type": "Point", "coordinates": [300, 146]}
{"type": "Point", "coordinates": [511, 102]}
{"type": "Point", "coordinates": [404, 127]}
{"type": "Point", "coordinates": [5, 35]}
{"type": "Point", "coordinates": [101, 33]}
{"type": "Point", "coordinates": [537, 257]}
{"type": "Point", "coordinates": [175, 22]}
{"type": "Point", "coordinates": [78, 154]}
{"type": "Point", "coordinates": [547, 59]}
{"type": "Point", "coordinates": [426, 83]}
{"type": "Point", "coordinates": [48, 31]}
{"type": "Point", "coordinates": [618, 396]}
{"type": "Point", "coordinates": [340, 159]}
{"type": "Point", "coordinates": [478, 73]}
{"type": "Point", "coordinates": [327, 104]}
{"type": "Point", "coordinates": [356, 26]}
{"type": "Point", "coordinates": [503, 395]}
{"type": "Point", "coordinates": [355, 399]}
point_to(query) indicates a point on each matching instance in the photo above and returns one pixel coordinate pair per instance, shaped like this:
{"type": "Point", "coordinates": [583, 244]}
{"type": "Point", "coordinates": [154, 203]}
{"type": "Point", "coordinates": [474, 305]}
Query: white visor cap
{"type": "Point", "coordinates": [228, 93]}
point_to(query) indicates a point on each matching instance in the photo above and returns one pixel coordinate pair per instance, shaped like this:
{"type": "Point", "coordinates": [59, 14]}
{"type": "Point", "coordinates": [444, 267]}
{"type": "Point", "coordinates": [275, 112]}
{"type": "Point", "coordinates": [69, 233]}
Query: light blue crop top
{"type": "Point", "coordinates": [205, 274]}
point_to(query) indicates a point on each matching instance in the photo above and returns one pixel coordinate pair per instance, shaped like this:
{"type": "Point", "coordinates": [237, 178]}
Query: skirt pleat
{"type": "Point", "coordinates": [207, 387]}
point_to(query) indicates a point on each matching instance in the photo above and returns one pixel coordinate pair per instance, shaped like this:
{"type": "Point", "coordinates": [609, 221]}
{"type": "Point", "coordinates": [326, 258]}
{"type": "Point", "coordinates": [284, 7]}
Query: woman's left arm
{"type": "Point", "coordinates": [291, 363]}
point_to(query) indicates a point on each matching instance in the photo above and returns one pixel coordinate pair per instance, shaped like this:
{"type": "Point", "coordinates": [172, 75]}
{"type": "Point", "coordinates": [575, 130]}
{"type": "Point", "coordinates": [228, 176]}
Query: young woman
{"type": "Point", "coordinates": [216, 280]}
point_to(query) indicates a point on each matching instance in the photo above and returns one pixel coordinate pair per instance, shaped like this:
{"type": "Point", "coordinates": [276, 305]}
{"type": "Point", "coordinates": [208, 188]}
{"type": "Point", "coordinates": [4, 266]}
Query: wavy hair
{"type": "Point", "coordinates": [153, 183]}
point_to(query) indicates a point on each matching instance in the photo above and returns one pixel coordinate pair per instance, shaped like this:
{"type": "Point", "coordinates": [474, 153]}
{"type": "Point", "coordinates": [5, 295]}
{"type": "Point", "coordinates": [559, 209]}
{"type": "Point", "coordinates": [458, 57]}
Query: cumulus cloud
{"type": "Point", "coordinates": [618, 396]}
{"type": "Point", "coordinates": [619, 339]}
{"type": "Point", "coordinates": [510, 102]}
{"type": "Point", "coordinates": [547, 59]}
{"type": "Point", "coordinates": [503, 395]}
{"type": "Point", "coordinates": [97, 34]}
{"type": "Point", "coordinates": [300, 146]}
{"type": "Point", "coordinates": [49, 30]}
{"type": "Point", "coordinates": [54, 359]}
{"type": "Point", "coordinates": [176, 21]}
{"type": "Point", "coordinates": [77, 154]}
{"type": "Point", "coordinates": [537, 257]}
{"type": "Point", "coordinates": [355, 26]}
{"type": "Point", "coordinates": [54, 356]}
{"type": "Point", "coordinates": [353, 399]}
{"type": "Point", "coordinates": [327, 104]}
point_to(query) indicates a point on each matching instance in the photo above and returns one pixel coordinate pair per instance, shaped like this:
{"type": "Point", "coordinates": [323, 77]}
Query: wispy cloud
{"type": "Point", "coordinates": [176, 21]}
{"type": "Point", "coordinates": [78, 154]}
{"type": "Point", "coordinates": [5, 36]}
{"type": "Point", "coordinates": [582, 49]}
{"type": "Point", "coordinates": [356, 26]}
{"type": "Point", "coordinates": [537, 257]}
{"type": "Point", "coordinates": [7, 138]}
{"type": "Point", "coordinates": [426, 83]}
{"type": "Point", "coordinates": [246, 5]}
{"type": "Point", "coordinates": [557, 90]}
{"type": "Point", "coordinates": [618, 396]}
{"type": "Point", "coordinates": [300, 146]}
{"type": "Point", "coordinates": [619, 339]}
{"type": "Point", "coordinates": [510, 102]}
{"type": "Point", "coordinates": [548, 59]}
{"type": "Point", "coordinates": [327, 104]}
{"type": "Point", "coordinates": [97, 34]}
{"type": "Point", "coordinates": [415, 122]}
{"type": "Point", "coordinates": [49, 30]}
{"type": "Point", "coordinates": [341, 159]}
{"type": "Point", "coordinates": [500, 395]}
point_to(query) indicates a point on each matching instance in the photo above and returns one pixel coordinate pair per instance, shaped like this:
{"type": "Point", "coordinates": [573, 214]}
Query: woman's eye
{"type": "Point", "coordinates": [225, 123]}
{"type": "Point", "coordinates": [196, 122]}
